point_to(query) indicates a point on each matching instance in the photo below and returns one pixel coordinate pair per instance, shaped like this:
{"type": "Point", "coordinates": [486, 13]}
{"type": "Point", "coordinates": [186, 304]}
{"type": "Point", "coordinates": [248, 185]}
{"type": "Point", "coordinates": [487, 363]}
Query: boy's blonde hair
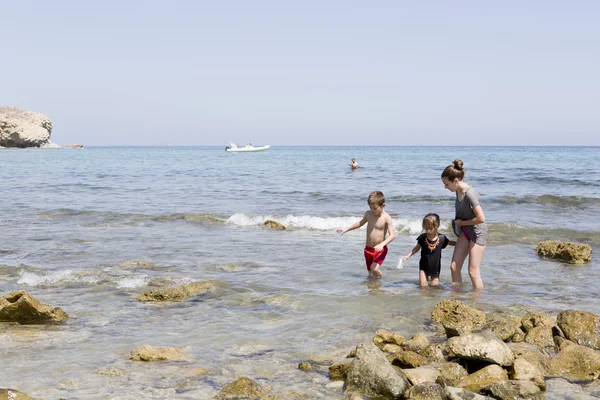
{"type": "Point", "coordinates": [431, 221]}
{"type": "Point", "coordinates": [376, 198]}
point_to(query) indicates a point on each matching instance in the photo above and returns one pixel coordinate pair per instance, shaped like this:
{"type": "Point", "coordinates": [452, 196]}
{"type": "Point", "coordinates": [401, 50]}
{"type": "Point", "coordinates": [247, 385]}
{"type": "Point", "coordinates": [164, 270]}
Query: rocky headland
{"type": "Point", "coordinates": [23, 129]}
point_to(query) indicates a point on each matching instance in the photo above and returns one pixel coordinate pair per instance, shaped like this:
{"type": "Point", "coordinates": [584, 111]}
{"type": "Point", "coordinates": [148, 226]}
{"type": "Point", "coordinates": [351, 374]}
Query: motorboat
{"type": "Point", "coordinates": [249, 147]}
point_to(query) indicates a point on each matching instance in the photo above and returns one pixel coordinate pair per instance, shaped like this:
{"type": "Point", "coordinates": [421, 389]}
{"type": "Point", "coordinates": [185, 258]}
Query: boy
{"type": "Point", "coordinates": [378, 223]}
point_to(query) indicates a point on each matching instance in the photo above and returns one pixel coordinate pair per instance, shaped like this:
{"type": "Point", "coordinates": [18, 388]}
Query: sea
{"type": "Point", "coordinates": [89, 229]}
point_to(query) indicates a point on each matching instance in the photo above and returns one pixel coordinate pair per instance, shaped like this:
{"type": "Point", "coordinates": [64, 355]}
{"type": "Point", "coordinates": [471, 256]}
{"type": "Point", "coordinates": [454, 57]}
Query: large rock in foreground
{"type": "Point", "coordinates": [580, 327]}
{"type": "Point", "coordinates": [21, 128]}
{"type": "Point", "coordinates": [371, 374]}
{"type": "Point", "coordinates": [23, 308]}
{"type": "Point", "coordinates": [571, 253]}
{"type": "Point", "coordinates": [483, 347]}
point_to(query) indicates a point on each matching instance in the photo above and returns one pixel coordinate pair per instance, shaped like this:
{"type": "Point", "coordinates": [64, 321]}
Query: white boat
{"type": "Point", "coordinates": [236, 147]}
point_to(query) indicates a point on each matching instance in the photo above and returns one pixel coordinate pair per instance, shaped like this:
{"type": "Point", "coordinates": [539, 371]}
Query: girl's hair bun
{"type": "Point", "coordinates": [458, 164]}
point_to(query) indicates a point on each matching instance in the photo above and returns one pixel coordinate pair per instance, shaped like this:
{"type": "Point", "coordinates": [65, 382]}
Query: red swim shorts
{"type": "Point", "coordinates": [372, 256]}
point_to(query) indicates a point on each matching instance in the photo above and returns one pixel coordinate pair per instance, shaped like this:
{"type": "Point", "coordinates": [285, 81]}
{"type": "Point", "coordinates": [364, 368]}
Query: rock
{"type": "Point", "coordinates": [531, 321]}
{"type": "Point", "coordinates": [371, 374]}
{"type": "Point", "coordinates": [564, 390]}
{"type": "Point", "coordinates": [110, 371]}
{"type": "Point", "coordinates": [305, 366]}
{"type": "Point", "coordinates": [21, 128]}
{"type": "Point", "coordinates": [149, 353]}
{"type": "Point", "coordinates": [389, 342]}
{"type": "Point", "coordinates": [417, 343]}
{"type": "Point", "coordinates": [407, 359]}
{"type": "Point", "coordinates": [390, 348]}
{"type": "Point", "coordinates": [515, 390]}
{"type": "Point", "coordinates": [532, 354]}
{"type": "Point", "coordinates": [575, 362]}
{"type": "Point", "coordinates": [571, 253]}
{"type": "Point", "coordinates": [540, 336]}
{"type": "Point", "coordinates": [523, 370]}
{"type": "Point", "coordinates": [455, 311]}
{"type": "Point", "coordinates": [11, 394]}
{"type": "Point", "coordinates": [339, 371]}
{"type": "Point", "coordinates": [389, 337]}
{"type": "Point", "coordinates": [450, 373]}
{"type": "Point", "coordinates": [483, 378]}
{"type": "Point", "coordinates": [274, 225]}
{"type": "Point", "coordinates": [483, 347]}
{"type": "Point", "coordinates": [241, 388]}
{"type": "Point", "coordinates": [457, 328]}
{"type": "Point", "coordinates": [421, 375]}
{"type": "Point", "coordinates": [580, 327]}
{"type": "Point", "coordinates": [518, 337]}
{"type": "Point", "coordinates": [177, 293]}
{"type": "Point", "coordinates": [425, 391]}
{"type": "Point", "coordinates": [23, 308]}
{"type": "Point", "coordinates": [435, 353]}
{"type": "Point", "coordinates": [454, 393]}
{"type": "Point", "coordinates": [73, 146]}
{"type": "Point", "coordinates": [503, 328]}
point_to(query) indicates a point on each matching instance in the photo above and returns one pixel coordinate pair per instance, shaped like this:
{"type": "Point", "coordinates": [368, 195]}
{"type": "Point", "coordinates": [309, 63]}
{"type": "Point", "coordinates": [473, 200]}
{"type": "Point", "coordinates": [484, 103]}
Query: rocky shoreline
{"type": "Point", "coordinates": [506, 354]}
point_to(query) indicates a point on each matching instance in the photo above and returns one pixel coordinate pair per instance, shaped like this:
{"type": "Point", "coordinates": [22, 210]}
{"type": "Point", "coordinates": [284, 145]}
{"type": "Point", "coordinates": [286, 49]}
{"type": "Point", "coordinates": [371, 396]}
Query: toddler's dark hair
{"type": "Point", "coordinates": [431, 221]}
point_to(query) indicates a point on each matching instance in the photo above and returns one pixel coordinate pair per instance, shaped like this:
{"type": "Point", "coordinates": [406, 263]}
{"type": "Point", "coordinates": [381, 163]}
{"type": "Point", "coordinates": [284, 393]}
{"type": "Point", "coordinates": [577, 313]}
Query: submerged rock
{"type": "Point", "coordinates": [453, 311]}
{"type": "Point", "coordinates": [11, 394]}
{"type": "Point", "coordinates": [21, 128]}
{"type": "Point", "coordinates": [241, 388]}
{"type": "Point", "coordinates": [177, 293]}
{"type": "Point", "coordinates": [275, 225]}
{"type": "Point", "coordinates": [23, 308]}
{"type": "Point", "coordinates": [149, 353]}
{"type": "Point", "coordinates": [569, 252]}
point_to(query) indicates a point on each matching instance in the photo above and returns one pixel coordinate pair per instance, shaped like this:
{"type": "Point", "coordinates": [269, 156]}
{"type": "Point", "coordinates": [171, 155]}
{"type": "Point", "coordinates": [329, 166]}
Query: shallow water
{"type": "Point", "coordinates": [88, 230]}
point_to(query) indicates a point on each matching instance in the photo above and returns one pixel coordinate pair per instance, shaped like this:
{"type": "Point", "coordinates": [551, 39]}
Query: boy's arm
{"type": "Point", "coordinates": [391, 235]}
{"type": "Point", "coordinates": [412, 252]}
{"type": "Point", "coordinates": [355, 225]}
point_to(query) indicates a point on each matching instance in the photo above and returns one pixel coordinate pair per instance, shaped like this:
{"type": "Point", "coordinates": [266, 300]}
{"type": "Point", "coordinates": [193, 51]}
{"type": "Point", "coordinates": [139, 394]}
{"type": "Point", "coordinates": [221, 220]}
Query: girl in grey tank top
{"type": "Point", "coordinates": [469, 224]}
{"type": "Point", "coordinates": [464, 211]}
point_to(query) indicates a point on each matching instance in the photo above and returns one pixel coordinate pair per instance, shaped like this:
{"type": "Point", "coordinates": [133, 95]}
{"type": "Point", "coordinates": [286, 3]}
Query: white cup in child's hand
{"type": "Point", "coordinates": [400, 262]}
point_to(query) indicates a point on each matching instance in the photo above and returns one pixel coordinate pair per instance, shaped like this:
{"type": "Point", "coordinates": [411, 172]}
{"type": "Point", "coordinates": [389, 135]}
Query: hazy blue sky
{"type": "Point", "coordinates": [306, 72]}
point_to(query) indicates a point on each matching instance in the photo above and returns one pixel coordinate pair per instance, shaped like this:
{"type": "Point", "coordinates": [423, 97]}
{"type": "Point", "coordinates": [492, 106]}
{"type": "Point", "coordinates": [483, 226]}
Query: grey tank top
{"type": "Point", "coordinates": [464, 211]}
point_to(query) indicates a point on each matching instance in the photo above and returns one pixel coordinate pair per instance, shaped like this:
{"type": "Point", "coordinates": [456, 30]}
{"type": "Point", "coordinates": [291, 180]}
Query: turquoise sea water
{"type": "Point", "coordinates": [75, 220]}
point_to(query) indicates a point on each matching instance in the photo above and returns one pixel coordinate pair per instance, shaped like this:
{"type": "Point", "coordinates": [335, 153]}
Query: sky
{"type": "Point", "coordinates": [306, 72]}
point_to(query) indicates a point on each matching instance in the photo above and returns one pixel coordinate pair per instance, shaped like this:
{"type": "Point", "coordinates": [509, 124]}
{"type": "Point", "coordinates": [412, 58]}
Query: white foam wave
{"type": "Point", "coordinates": [410, 226]}
{"type": "Point", "coordinates": [67, 276]}
{"type": "Point", "coordinates": [131, 282]}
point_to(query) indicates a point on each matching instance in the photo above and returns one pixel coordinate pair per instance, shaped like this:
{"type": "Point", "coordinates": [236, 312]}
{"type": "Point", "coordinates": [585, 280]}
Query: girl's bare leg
{"type": "Point", "coordinates": [461, 250]}
{"type": "Point", "coordinates": [475, 257]}
{"type": "Point", "coordinates": [423, 279]}
{"type": "Point", "coordinates": [435, 281]}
